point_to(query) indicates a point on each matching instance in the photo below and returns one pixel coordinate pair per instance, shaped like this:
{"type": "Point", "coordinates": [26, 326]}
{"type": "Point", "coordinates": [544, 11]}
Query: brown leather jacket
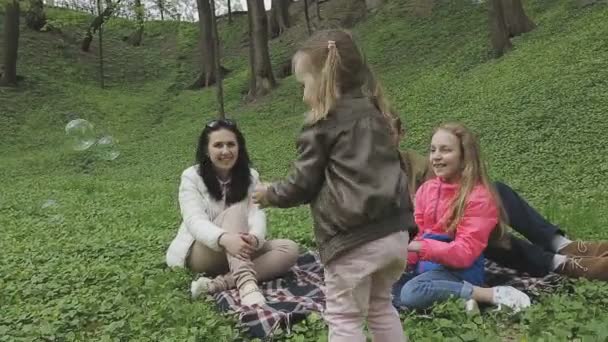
{"type": "Point", "coordinates": [349, 171]}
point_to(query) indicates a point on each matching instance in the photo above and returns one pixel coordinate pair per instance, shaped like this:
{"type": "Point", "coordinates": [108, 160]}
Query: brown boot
{"type": "Point", "coordinates": [585, 267]}
{"type": "Point", "coordinates": [586, 249]}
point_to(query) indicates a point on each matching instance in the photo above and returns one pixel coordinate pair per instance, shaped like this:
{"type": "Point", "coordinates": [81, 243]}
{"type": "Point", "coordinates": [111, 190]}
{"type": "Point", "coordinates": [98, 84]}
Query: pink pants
{"type": "Point", "coordinates": [358, 285]}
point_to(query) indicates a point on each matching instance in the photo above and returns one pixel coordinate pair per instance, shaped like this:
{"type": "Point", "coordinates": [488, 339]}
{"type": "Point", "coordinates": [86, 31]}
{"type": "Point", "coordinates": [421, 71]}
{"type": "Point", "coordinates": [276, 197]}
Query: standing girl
{"type": "Point", "coordinates": [348, 170]}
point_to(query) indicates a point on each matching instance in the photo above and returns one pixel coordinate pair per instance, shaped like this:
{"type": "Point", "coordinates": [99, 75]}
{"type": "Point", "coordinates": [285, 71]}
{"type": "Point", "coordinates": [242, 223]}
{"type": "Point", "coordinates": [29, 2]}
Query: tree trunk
{"type": "Point", "coordinates": [35, 17]}
{"type": "Point", "coordinates": [372, 5]}
{"type": "Point", "coordinates": [262, 79]}
{"type": "Point", "coordinates": [229, 12]}
{"type": "Point", "coordinates": [318, 10]}
{"type": "Point", "coordinates": [216, 45]}
{"type": "Point", "coordinates": [499, 36]}
{"type": "Point", "coordinates": [307, 17]}
{"type": "Point", "coordinates": [279, 17]}
{"type": "Point", "coordinates": [8, 77]}
{"type": "Point", "coordinates": [100, 36]}
{"type": "Point", "coordinates": [516, 20]}
{"type": "Point", "coordinates": [137, 36]}
{"type": "Point", "coordinates": [207, 76]}
{"type": "Point", "coordinates": [161, 7]}
{"type": "Point", "coordinates": [96, 24]}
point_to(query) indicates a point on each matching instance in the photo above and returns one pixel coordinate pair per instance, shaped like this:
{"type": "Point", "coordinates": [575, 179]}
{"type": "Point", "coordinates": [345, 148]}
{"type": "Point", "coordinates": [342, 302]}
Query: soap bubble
{"type": "Point", "coordinates": [80, 133]}
{"type": "Point", "coordinates": [56, 219]}
{"type": "Point", "coordinates": [106, 148]}
{"type": "Point", "coordinates": [49, 203]}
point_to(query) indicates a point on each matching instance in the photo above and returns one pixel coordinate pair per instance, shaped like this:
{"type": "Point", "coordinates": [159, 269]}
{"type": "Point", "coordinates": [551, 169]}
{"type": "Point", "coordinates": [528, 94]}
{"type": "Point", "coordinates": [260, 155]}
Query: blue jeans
{"type": "Point", "coordinates": [423, 290]}
{"type": "Point", "coordinates": [534, 255]}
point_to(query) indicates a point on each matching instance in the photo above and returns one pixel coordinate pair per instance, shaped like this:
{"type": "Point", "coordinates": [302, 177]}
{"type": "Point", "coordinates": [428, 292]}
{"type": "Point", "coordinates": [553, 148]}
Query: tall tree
{"type": "Point", "coordinates": [318, 10]}
{"type": "Point", "coordinates": [100, 50]}
{"type": "Point", "coordinates": [208, 75]}
{"type": "Point", "coordinates": [8, 77]}
{"type": "Point", "coordinates": [137, 36]}
{"type": "Point", "coordinates": [216, 43]}
{"type": "Point", "coordinates": [516, 20]}
{"type": "Point", "coordinates": [262, 80]}
{"type": "Point", "coordinates": [499, 35]}
{"type": "Point", "coordinates": [307, 17]}
{"type": "Point", "coordinates": [35, 18]}
{"type": "Point", "coordinates": [160, 4]}
{"type": "Point", "coordinates": [229, 12]}
{"type": "Point", "coordinates": [279, 17]}
{"type": "Point", "coordinates": [507, 19]}
{"type": "Point", "coordinates": [97, 22]}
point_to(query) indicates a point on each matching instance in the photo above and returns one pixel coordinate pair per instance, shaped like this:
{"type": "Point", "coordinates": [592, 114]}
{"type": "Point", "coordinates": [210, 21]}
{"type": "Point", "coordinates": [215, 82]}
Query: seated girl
{"type": "Point", "coordinates": [457, 213]}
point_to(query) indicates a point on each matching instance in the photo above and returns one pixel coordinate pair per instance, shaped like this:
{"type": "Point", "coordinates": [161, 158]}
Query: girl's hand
{"type": "Point", "coordinates": [236, 245]}
{"type": "Point", "coordinates": [259, 195]}
{"type": "Point", "coordinates": [414, 246]}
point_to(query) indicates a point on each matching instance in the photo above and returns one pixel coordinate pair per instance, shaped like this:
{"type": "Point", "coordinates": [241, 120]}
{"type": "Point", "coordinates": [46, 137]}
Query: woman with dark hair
{"type": "Point", "coordinates": [223, 231]}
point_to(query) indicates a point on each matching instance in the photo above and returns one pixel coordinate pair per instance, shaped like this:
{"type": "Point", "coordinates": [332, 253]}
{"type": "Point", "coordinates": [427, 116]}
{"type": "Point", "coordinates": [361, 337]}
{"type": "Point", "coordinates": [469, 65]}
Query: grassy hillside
{"type": "Point", "coordinates": [91, 267]}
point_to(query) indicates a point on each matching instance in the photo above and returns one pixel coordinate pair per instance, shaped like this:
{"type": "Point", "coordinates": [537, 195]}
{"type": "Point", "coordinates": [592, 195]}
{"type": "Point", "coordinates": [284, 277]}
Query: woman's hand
{"type": "Point", "coordinates": [251, 239]}
{"type": "Point", "coordinates": [259, 195]}
{"type": "Point", "coordinates": [236, 245]}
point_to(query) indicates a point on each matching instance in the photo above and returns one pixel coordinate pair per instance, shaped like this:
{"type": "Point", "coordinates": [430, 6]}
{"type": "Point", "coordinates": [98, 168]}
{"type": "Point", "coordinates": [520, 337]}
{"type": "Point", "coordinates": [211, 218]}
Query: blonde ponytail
{"type": "Point", "coordinates": [373, 89]}
{"type": "Point", "coordinates": [328, 88]}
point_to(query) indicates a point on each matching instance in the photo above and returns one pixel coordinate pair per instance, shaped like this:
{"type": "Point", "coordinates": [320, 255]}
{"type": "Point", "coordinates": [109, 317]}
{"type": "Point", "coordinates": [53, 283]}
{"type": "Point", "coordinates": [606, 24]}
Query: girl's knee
{"type": "Point", "coordinates": [413, 294]}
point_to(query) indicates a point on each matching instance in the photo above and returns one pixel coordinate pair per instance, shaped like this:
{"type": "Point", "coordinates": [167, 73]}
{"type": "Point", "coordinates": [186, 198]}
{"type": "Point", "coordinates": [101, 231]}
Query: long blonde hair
{"type": "Point", "coordinates": [474, 171]}
{"type": "Point", "coordinates": [334, 57]}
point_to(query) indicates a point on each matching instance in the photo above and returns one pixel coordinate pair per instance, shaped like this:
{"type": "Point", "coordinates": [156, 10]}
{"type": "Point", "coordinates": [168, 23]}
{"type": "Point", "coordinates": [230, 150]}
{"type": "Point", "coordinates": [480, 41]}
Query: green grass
{"type": "Point", "coordinates": [92, 267]}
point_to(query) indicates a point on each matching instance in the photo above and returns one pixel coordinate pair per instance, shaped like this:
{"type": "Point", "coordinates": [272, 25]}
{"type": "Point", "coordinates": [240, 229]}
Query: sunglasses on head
{"type": "Point", "coordinates": [224, 122]}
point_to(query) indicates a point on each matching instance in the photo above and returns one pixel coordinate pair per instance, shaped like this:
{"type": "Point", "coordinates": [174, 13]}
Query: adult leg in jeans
{"type": "Point", "coordinates": [578, 259]}
{"type": "Point", "coordinates": [525, 219]}
{"type": "Point", "coordinates": [522, 256]}
{"type": "Point", "coordinates": [526, 257]}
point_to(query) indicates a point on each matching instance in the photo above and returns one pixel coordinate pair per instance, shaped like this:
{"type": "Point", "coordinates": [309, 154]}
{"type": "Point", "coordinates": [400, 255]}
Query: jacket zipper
{"type": "Point", "coordinates": [437, 203]}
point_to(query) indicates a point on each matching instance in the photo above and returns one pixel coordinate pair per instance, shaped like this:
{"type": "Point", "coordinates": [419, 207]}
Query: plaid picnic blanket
{"type": "Point", "coordinates": [299, 292]}
{"type": "Point", "coordinates": [289, 299]}
{"type": "Point", "coordinates": [533, 286]}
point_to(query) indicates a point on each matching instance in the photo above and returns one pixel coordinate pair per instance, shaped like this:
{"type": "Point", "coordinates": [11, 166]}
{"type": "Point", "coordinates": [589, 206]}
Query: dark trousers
{"type": "Point", "coordinates": [534, 255]}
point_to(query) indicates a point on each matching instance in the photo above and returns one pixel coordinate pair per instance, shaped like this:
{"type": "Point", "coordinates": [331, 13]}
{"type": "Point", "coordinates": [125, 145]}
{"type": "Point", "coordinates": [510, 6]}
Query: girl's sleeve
{"type": "Point", "coordinates": [308, 172]}
{"type": "Point", "coordinates": [256, 217]}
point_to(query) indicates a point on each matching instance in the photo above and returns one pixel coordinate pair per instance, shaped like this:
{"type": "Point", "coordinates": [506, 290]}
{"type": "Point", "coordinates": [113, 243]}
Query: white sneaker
{"type": "Point", "coordinates": [511, 297]}
{"type": "Point", "coordinates": [199, 286]}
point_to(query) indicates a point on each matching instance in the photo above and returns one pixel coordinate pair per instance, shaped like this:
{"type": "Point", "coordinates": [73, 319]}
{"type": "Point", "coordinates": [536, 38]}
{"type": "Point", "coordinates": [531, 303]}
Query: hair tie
{"type": "Point", "coordinates": [331, 43]}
